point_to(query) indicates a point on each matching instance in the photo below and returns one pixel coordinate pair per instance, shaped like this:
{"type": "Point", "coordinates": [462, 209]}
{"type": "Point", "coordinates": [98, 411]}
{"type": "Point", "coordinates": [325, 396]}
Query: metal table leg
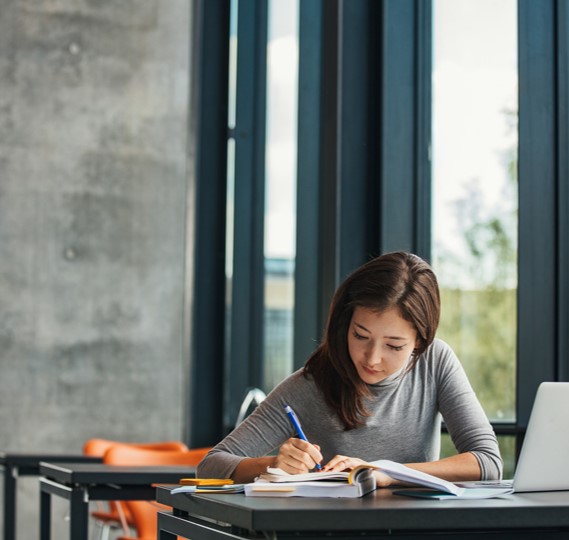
{"type": "Point", "coordinates": [10, 494]}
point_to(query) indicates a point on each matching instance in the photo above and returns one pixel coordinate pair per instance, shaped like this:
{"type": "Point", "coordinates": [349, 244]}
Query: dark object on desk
{"type": "Point", "coordinates": [81, 483]}
{"type": "Point", "coordinates": [467, 494]}
{"type": "Point", "coordinates": [531, 516]}
{"type": "Point", "coordinates": [16, 464]}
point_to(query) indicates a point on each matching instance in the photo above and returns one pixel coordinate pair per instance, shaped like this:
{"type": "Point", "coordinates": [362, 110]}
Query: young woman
{"type": "Point", "coordinates": [375, 388]}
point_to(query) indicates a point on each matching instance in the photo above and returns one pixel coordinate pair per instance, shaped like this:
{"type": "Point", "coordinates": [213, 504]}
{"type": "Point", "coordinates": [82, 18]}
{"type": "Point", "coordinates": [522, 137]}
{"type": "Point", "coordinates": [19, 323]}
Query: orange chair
{"type": "Point", "coordinates": [117, 514]}
{"type": "Point", "coordinates": [98, 447]}
{"type": "Point", "coordinates": [144, 513]}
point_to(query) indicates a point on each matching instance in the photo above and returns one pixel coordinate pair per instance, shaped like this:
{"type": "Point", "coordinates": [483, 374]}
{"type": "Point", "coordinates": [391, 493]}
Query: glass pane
{"type": "Point", "coordinates": [475, 195]}
{"type": "Point", "coordinates": [230, 202]}
{"type": "Point", "coordinates": [280, 203]}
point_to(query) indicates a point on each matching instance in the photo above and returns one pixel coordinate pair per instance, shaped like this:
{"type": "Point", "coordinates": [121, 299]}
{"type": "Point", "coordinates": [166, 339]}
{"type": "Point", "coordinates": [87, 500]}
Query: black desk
{"type": "Point", "coordinates": [81, 483]}
{"type": "Point", "coordinates": [16, 464]}
{"type": "Point", "coordinates": [378, 515]}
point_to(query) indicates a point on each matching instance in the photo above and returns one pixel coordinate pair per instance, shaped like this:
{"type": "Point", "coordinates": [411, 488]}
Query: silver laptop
{"type": "Point", "coordinates": [543, 464]}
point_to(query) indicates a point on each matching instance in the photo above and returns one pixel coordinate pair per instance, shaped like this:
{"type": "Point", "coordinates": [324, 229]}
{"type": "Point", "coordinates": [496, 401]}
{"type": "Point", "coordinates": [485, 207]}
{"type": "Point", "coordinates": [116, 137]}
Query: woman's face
{"type": "Point", "coordinates": [379, 343]}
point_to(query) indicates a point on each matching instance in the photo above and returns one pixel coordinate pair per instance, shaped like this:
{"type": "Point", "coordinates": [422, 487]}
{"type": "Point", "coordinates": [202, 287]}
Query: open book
{"type": "Point", "coordinates": [358, 482]}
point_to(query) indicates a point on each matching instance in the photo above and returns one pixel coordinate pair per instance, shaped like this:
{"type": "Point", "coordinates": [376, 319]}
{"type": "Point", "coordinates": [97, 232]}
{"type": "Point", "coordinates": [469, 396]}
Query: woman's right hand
{"type": "Point", "coordinates": [297, 456]}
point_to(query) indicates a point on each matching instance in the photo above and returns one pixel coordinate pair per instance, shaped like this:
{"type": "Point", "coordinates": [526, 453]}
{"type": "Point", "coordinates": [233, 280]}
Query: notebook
{"type": "Point", "coordinates": [543, 464]}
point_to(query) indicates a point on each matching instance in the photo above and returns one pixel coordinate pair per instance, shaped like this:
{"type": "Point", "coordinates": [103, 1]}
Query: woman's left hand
{"type": "Point", "coordinates": [346, 463]}
{"type": "Point", "coordinates": [343, 463]}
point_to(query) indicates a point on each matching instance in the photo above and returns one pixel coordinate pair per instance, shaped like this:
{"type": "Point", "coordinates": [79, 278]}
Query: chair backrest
{"type": "Point", "coordinates": [126, 454]}
{"type": "Point", "coordinates": [98, 446]}
{"type": "Point", "coordinates": [253, 398]}
{"type": "Point", "coordinates": [116, 511]}
{"type": "Point", "coordinates": [144, 513]}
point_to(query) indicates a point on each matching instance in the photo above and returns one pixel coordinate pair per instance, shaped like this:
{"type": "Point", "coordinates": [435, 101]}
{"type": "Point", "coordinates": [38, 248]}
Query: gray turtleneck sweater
{"type": "Point", "coordinates": [404, 424]}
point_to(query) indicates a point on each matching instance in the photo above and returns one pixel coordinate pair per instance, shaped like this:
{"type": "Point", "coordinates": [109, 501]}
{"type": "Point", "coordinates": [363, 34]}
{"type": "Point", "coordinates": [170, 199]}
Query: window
{"type": "Point", "coordinates": [475, 195]}
{"type": "Point", "coordinates": [260, 213]}
{"type": "Point", "coordinates": [280, 191]}
{"type": "Point", "coordinates": [363, 178]}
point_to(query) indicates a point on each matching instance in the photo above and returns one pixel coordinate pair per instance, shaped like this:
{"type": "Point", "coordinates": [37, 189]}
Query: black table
{"type": "Point", "coordinates": [16, 464]}
{"type": "Point", "coordinates": [81, 483]}
{"type": "Point", "coordinates": [378, 515]}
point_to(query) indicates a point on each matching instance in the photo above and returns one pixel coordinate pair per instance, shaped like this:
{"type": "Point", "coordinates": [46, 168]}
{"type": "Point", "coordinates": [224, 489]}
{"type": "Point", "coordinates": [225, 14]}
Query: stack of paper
{"type": "Point", "coordinates": [278, 483]}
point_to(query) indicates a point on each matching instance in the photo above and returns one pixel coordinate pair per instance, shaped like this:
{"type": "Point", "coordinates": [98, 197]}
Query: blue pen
{"type": "Point", "coordinates": [296, 424]}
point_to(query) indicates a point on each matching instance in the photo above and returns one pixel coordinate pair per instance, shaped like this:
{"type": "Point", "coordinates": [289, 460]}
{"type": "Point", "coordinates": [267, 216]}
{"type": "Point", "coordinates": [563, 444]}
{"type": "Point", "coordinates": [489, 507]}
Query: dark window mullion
{"type": "Point", "coordinates": [309, 316]}
{"type": "Point", "coordinates": [537, 346]}
{"type": "Point", "coordinates": [423, 128]}
{"type": "Point", "coordinates": [398, 64]}
{"type": "Point", "coordinates": [563, 190]}
{"type": "Point", "coordinates": [359, 105]}
{"type": "Point", "coordinates": [205, 306]}
{"type": "Point", "coordinates": [329, 150]}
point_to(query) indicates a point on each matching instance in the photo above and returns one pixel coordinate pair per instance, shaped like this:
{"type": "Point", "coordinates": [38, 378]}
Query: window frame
{"type": "Point", "coordinates": [364, 142]}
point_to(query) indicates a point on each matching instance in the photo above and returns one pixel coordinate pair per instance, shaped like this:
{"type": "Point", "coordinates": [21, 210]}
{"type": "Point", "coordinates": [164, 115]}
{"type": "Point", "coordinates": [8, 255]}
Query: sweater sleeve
{"type": "Point", "coordinates": [463, 415]}
{"type": "Point", "coordinates": [264, 430]}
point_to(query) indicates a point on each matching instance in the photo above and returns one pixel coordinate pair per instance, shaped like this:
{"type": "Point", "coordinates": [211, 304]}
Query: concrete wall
{"type": "Point", "coordinates": [93, 183]}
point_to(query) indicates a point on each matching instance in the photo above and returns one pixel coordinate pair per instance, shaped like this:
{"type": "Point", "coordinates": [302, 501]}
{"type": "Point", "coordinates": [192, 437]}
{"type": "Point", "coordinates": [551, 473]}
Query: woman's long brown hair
{"type": "Point", "coordinates": [398, 279]}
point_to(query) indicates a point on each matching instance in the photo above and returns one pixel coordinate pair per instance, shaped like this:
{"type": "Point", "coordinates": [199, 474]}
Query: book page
{"type": "Point", "coordinates": [397, 471]}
